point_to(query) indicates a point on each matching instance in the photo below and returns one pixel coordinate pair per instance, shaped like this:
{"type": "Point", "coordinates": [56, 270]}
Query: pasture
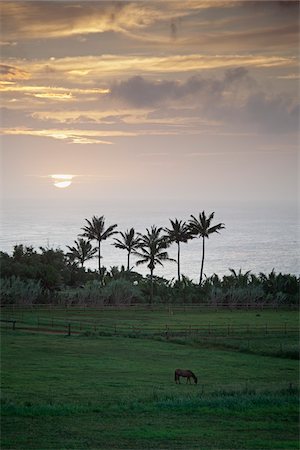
{"type": "Point", "coordinates": [111, 384]}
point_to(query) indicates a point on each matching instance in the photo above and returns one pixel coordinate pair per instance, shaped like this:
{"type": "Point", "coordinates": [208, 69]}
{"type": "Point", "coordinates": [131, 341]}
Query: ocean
{"type": "Point", "coordinates": [256, 238]}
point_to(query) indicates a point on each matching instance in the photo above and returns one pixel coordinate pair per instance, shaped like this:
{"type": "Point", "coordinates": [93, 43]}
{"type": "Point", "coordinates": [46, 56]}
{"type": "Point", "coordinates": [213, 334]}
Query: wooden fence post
{"type": "Point", "coordinates": [69, 329]}
{"type": "Point", "coordinates": [167, 332]}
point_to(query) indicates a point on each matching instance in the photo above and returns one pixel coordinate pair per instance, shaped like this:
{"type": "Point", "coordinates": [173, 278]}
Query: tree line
{"type": "Point", "coordinates": [150, 248]}
{"type": "Point", "coordinates": [55, 275]}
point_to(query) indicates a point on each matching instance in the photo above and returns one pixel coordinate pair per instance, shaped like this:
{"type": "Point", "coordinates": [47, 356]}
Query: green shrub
{"type": "Point", "coordinates": [20, 292]}
{"type": "Point", "coordinates": [121, 292]}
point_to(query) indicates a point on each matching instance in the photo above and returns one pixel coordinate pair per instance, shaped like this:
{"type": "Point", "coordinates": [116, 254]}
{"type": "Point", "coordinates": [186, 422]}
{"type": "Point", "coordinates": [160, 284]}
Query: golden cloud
{"type": "Point", "coordinates": [43, 91]}
{"type": "Point", "coordinates": [29, 20]}
{"type": "Point", "coordinates": [9, 73]}
{"type": "Point", "coordinates": [71, 135]}
{"type": "Point", "coordinates": [106, 66]}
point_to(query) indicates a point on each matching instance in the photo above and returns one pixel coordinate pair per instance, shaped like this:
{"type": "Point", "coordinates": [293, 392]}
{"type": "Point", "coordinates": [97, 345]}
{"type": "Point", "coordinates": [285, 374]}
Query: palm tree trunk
{"type": "Point", "coordinates": [151, 286]}
{"type": "Point", "coordinates": [99, 257]}
{"type": "Point", "coordinates": [178, 261]}
{"type": "Point", "coordinates": [202, 262]}
{"type": "Point", "coordinates": [128, 256]}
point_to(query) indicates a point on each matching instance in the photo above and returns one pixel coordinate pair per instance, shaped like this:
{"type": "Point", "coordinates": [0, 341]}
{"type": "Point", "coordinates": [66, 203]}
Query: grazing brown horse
{"type": "Point", "coordinates": [188, 374]}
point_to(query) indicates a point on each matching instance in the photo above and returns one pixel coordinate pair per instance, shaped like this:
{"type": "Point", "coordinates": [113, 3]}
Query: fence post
{"type": "Point", "coordinates": [14, 325]}
{"type": "Point", "coordinates": [69, 329]}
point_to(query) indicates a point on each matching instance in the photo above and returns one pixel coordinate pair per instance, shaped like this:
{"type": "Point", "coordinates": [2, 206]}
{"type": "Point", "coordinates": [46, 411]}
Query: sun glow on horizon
{"type": "Point", "coordinates": [62, 180]}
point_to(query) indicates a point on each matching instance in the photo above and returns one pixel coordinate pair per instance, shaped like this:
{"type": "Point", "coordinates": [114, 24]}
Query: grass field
{"type": "Point", "coordinates": [118, 392]}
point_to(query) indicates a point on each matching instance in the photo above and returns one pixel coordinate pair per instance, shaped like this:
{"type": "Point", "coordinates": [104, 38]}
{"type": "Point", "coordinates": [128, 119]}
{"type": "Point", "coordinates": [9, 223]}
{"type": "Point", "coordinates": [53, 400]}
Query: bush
{"type": "Point", "coordinates": [121, 292]}
{"type": "Point", "coordinates": [89, 294]}
{"type": "Point", "coordinates": [20, 292]}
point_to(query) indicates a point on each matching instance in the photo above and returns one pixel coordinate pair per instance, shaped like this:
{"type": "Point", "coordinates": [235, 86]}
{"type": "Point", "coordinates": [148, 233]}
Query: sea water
{"type": "Point", "coordinates": [255, 238]}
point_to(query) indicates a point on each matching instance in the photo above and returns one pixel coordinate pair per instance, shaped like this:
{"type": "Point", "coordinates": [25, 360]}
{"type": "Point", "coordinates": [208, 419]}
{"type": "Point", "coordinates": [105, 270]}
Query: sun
{"type": "Point", "coordinates": [62, 180]}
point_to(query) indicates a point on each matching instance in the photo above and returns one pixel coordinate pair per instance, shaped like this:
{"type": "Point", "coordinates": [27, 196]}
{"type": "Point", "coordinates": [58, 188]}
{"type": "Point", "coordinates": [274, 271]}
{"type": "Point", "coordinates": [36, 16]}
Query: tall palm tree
{"type": "Point", "coordinates": [152, 251]}
{"type": "Point", "coordinates": [179, 232]}
{"type": "Point", "coordinates": [202, 227]}
{"type": "Point", "coordinates": [82, 251]}
{"type": "Point", "coordinates": [130, 241]}
{"type": "Point", "coordinates": [95, 230]}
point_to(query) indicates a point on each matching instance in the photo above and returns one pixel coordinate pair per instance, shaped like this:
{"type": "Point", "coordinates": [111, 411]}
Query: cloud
{"type": "Point", "coordinates": [38, 19]}
{"type": "Point", "coordinates": [8, 72]}
{"type": "Point", "coordinates": [236, 98]}
{"type": "Point", "coordinates": [44, 19]}
{"type": "Point", "coordinates": [87, 69]}
{"type": "Point", "coordinates": [215, 24]}
{"type": "Point", "coordinates": [141, 92]}
{"type": "Point", "coordinates": [74, 136]}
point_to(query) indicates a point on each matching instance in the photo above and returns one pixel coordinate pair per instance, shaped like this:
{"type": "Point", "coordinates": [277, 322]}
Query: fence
{"type": "Point", "coordinates": [172, 308]}
{"type": "Point", "coordinates": [77, 326]}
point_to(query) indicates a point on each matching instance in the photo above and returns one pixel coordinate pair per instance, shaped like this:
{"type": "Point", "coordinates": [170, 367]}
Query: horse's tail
{"type": "Point", "coordinates": [175, 375]}
{"type": "Point", "coordinates": [194, 376]}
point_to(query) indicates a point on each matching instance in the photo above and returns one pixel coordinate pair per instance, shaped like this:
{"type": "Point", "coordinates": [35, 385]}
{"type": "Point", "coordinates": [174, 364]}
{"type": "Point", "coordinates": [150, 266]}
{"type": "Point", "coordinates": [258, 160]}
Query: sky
{"type": "Point", "coordinates": [148, 100]}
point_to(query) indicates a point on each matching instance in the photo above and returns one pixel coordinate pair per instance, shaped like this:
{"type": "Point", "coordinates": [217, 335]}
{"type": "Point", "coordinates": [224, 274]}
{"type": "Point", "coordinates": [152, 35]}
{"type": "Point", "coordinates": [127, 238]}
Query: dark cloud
{"type": "Point", "coordinates": [10, 72]}
{"type": "Point", "coordinates": [235, 98]}
{"type": "Point", "coordinates": [140, 92]}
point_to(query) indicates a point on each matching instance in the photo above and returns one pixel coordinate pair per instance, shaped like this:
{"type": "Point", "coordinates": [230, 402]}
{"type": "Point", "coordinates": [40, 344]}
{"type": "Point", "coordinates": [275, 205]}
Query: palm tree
{"type": "Point", "coordinates": [95, 230]}
{"type": "Point", "coordinates": [202, 227]}
{"type": "Point", "coordinates": [128, 242]}
{"type": "Point", "coordinates": [152, 251]}
{"type": "Point", "coordinates": [82, 251]}
{"type": "Point", "coordinates": [179, 232]}
{"type": "Point", "coordinates": [241, 279]}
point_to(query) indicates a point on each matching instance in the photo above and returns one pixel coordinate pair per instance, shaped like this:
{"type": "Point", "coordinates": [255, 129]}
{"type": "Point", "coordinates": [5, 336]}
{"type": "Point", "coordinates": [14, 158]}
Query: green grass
{"type": "Point", "coordinates": [147, 320]}
{"type": "Point", "coordinates": [115, 392]}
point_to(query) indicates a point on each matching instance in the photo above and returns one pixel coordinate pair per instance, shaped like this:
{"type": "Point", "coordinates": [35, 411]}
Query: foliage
{"type": "Point", "coordinates": [121, 292]}
{"type": "Point", "coordinates": [88, 294]}
{"type": "Point", "coordinates": [129, 242]}
{"type": "Point", "coordinates": [179, 232]}
{"type": "Point", "coordinates": [82, 251]}
{"type": "Point", "coordinates": [20, 292]}
{"type": "Point", "coordinates": [52, 270]}
{"type": "Point", "coordinates": [152, 251]}
{"type": "Point", "coordinates": [95, 230]}
{"type": "Point", "coordinates": [50, 267]}
{"type": "Point", "coordinates": [202, 227]}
